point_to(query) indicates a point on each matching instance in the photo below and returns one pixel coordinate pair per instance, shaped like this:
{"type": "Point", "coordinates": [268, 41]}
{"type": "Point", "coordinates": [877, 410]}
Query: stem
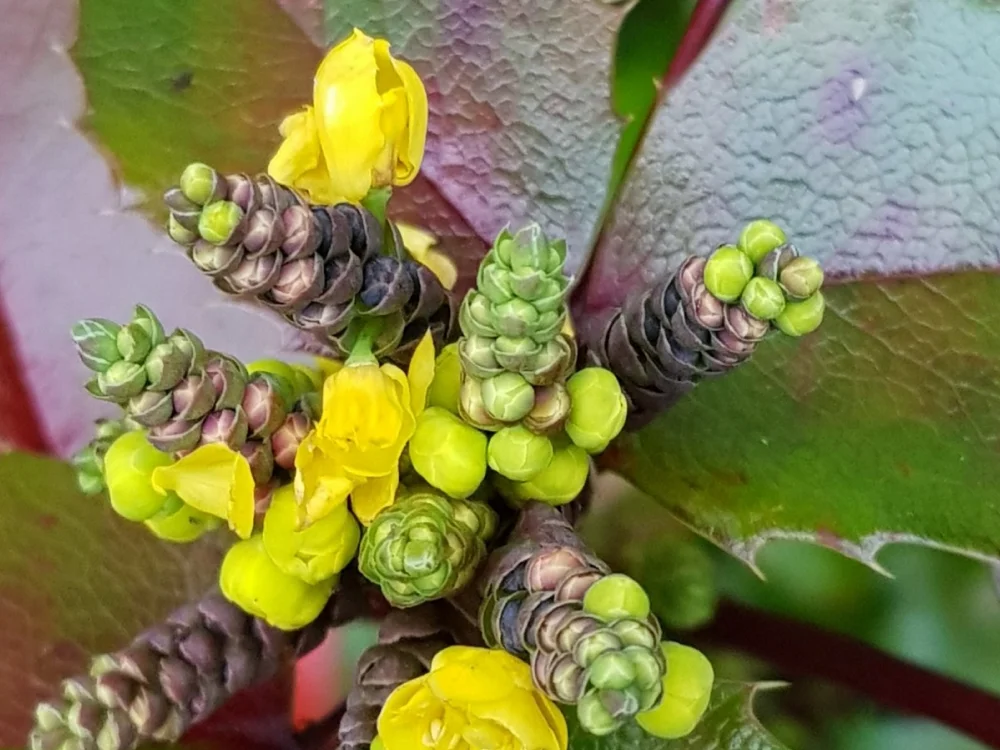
{"type": "Point", "coordinates": [799, 648]}
{"type": "Point", "coordinates": [361, 350]}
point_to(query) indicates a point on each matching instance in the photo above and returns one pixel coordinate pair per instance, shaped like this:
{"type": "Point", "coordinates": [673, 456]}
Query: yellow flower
{"type": "Point", "coordinates": [472, 699]}
{"type": "Point", "coordinates": [365, 130]}
{"type": "Point", "coordinates": [369, 414]}
{"type": "Point", "coordinates": [421, 246]}
{"type": "Point", "coordinates": [213, 479]}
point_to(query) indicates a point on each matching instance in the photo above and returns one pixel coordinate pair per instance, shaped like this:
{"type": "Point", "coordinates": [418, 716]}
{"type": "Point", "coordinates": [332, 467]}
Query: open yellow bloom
{"type": "Point", "coordinates": [365, 130]}
{"type": "Point", "coordinates": [472, 699]}
{"type": "Point", "coordinates": [369, 414]}
{"type": "Point", "coordinates": [213, 479]}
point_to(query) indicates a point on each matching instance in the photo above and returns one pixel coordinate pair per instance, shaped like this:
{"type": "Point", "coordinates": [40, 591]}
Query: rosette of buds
{"type": "Point", "coordinates": [708, 317]}
{"type": "Point", "coordinates": [320, 267]}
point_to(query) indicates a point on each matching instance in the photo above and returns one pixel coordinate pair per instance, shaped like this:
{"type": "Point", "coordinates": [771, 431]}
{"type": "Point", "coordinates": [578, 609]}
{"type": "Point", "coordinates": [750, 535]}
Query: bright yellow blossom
{"type": "Point", "coordinates": [365, 130]}
{"type": "Point", "coordinates": [214, 479]}
{"type": "Point", "coordinates": [369, 414]}
{"type": "Point", "coordinates": [472, 699]}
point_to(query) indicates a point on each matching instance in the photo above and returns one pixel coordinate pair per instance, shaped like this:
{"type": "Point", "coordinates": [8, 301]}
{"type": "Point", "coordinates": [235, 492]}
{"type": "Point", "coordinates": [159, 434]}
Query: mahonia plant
{"type": "Point", "coordinates": [445, 474]}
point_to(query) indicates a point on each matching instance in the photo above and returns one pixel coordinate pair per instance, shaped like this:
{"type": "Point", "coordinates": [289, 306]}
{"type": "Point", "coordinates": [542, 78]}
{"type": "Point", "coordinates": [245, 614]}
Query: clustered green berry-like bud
{"type": "Point", "coordinates": [763, 298]}
{"type": "Point", "coordinates": [425, 546]}
{"type": "Point", "coordinates": [448, 453]}
{"type": "Point", "coordinates": [687, 688]}
{"type": "Point", "coordinates": [727, 272]}
{"type": "Point", "coordinates": [519, 454]}
{"type": "Point", "coordinates": [598, 408]}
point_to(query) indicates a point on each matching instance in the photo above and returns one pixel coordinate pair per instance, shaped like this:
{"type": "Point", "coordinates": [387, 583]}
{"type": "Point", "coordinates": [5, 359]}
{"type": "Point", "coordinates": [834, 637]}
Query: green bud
{"type": "Point", "coordinates": [552, 296]}
{"type": "Point", "coordinates": [178, 522]}
{"type": "Point", "coordinates": [143, 317]}
{"type": "Point", "coordinates": [508, 397]}
{"type": "Point", "coordinates": [612, 671]}
{"type": "Point", "coordinates": [636, 633]}
{"type": "Point", "coordinates": [589, 647]}
{"type": "Point", "coordinates": [133, 342]}
{"type": "Point", "coordinates": [476, 354]}
{"type": "Point", "coordinates": [128, 468]}
{"type": "Point", "coordinates": [760, 237]}
{"type": "Point", "coordinates": [647, 668]}
{"type": "Point", "coordinates": [598, 409]}
{"type": "Point", "coordinates": [179, 233]}
{"type": "Point", "coordinates": [201, 184]}
{"type": "Point", "coordinates": [514, 353]}
{"type": "Point", "coordinates": [471, 407]}
{"type": "Point", "coordinates": [219, 221]}
{"type": "Point", "coordinates": [151, 408]}
{"type": "Point", "coordinates": [551, 409]}
{"type": "Point", "coordinates": [727, 272]}
{"type": "Point", "coordinates": [514, 317]}
{"type": "Point", "coordinates": [96, 342]}
{"type": "Point", "coordinates": [527, 283]}
{"type": "Point", "coordinates": [494, 282]}
{"type": "Point", "coordinates": [802, 277]}
{"type": "Point", "coordinates": [122, 380]}
{"type": "Point", "coordinates": [561, 481]}
{"type": "Point", "coordinates": [800, 318]}
{"type": "Point", "coordinates": [553, 363]}
{"type": "Point", "coordinates": [474, 316]}
{"type": "Point", "coordinates": [447, 381]}
{"type": "Point", "coordinates": [165, 366]}
{"type": "Point", "coordinates": [530, 249]}
{"type": "Point", "coordinates": [594, 717]}
{"type": "Point", "coordinates": [281, 375]}
{"type": "Point", "coordinates": [519, 454]}
{"type": "Point", "coordinates": [448, 453]}
{"type": "Point", "coordinates": [763, 298]}
{"type": "Point", "coordinates": [189, 345]}
{"type": "Point", "coordinates": [616, 596]}
{"type": "Point", "coordinates": [549, 325]}
{"type": "Point", "coordinates": [251, 580]}
{"type": "Point", "coordinates": [503, 246]}
{"type": "Point", "coordinates": [687, 688]}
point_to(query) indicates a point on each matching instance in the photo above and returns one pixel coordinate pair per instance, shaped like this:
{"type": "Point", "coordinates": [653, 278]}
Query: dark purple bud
{"type": "Point", "coordinates": [256, 275]}
{"type": "Point", "coordinates": [228, 426]}
{"type": "Point", "coordinates": [772, 264]}
{"type": "Point", "coordinates": [298, 283]}
{"type": "Point", "coordinates": [328, 319]}
{"type": "Point", "coordinates": [343, 277]}
{"type": "Point", "coordinates": [176, 435]}
{"type": "Point", "coordinates": [386, 285]}
{"type": "Point", "coordinates": [263, 405]}
{"type": "Point", "coordinates": [264, 233]}
{"type": "Point", "coordinates": [301, 231]}
{"type": "Point", "coordinates": [286, 439]}
{"type": "Point", "coordinates": [273, 195]}
{"type": "Point", "coordinates": [193, 397]}
{"type": "Point", "coordinates": [366, 231]}
{"type": "Point", "coordinates": [428, 295]}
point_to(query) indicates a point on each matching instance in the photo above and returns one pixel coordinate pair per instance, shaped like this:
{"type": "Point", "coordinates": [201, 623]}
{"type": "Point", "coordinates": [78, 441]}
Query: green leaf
{"type": "Point", "coordinates": [728, 724]}
{"type": "Point", "coordinates": [865, 129]}
{"type": "Point", "coordinates": [76, 580]}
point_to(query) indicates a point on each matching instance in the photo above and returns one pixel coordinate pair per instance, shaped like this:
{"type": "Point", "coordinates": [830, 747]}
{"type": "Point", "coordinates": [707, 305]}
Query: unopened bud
{"type": "Point", "coordinates": [801, 278]}
{"type": "Point", "coordinates": [760, 237]}
{"type": "Point", "coordinates": [727, 272]}
{"type": "Point", "coordinates": [96, 343]}
{"type": "Point", "coordinates": [201, 184]}
{"type": "Point", "coordinates": [219, 221]}
{"type": "Point", "coordinates": [763, 298]}
{"type": "Point", "coordinates": [508, 397]}
{"type": "Point", "coordinates": [800, 318]}
{"type": "Point", "coordinates": [519, 454]}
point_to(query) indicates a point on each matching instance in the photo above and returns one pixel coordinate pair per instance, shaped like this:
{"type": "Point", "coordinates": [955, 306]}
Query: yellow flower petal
{"type": "Point", "coordinates": [321, 485]}
{"type": "Point", "coordinates": [421, 373]}
{"type": "Point", "coordinates": [213, 479]}
{"type": "Point", "coordinates": [298, 162]}
{"type": "Point", "coordinates": [420, 245]}
{"type": "Point", "coordinates": [368, 499]}
{"type": "Point", "coordinates": [411, 150]}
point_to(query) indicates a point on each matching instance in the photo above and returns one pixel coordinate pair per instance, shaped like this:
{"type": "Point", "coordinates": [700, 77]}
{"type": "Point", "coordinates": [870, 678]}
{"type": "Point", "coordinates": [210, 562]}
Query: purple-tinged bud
{"type": "Point", "coordinates": [264, 406]}
{"type": "Point", "coordinates": [745, 326]}
{"type": "Point", "coordinates": [705, 308]}
{"type": "Point", "coordinates": [287, 438]}
{"type": "Point", "coordinates": [184, 211]}
{"type": "Point", "coordinates": [229, 379]}
{"type": "Point", "coordinates": [228, 426]}
{"type": "Point", "coordinates": [329, 318]}
{"type": "Point", "coordinates": [151, 408]}
{"type": "Point", "coordinates": [179, 233]}
{"type": "Point", "coordinates": [193, 397]}
{"type": "Point", "coordinates": [343, 277]}
{"type": "Point", "coordinates": [216, 259]}
{"type": "Point", "coordinates": [298, 283]}
{"type": "Point", "coordinates": [264, 233]}
{"type": "Point", "coordinates": [273, 195]}
{"type": "Point", "coordinates": [175, 435]}
{"type": "Point", "coordinates": [772, 264]}
{"type": "Point", "coordinates": [256, 275]}
{"type": "Point", "coordinates": [259, 455]}
{"type": "Point", "coordinates": [190, 346]}
{"type": "Point", "coordinates": [551, 410]}
{"type": "Point", "coordinates": [244, 192]}
{"type": "Point", "coordinates": [302, 236]}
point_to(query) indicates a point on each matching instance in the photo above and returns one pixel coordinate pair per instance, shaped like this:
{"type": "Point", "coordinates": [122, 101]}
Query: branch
{"type": "Point", "coordinates": [801, 649]}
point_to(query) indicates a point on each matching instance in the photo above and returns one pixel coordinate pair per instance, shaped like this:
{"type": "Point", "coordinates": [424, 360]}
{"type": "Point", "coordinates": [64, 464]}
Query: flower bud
{"type": "Point", "coordinates": [801, 278]}
{"type": "Point", "coordinates": [726, 273]}
{"type": "Point", "coordinates": [386, 285]}
{"type": "Point", "coordinates": [143, 317]}
{"type": "Point", "coordinates": [175, 435]}
{"type": "Point", "coordinates": [527, 283]}
{"type": "Point", "coordinates": [552, 296]}
{"type": "Point", "coordinates": [594, 717]}
{"type": "Point", "coordinates": [150, 408]}
{"type": "Point", "coordinates": [612, 671]}
{"type": "Point", "coordinates": [474, 317]}
{"type": "Point", "coordinates": [226, 426]}
{"type": "Point", "coordinates": [89, 481]}
{"type": "Point", "coordinates": [259, 455]}
{"type": "Point", "coordinates": [228, 378]}
{"type": "Point", "coordinates": [215, 260]}
{"type": "Point", "coordinates": [178, 522]}
{"type": "Point", "coordinates": [219, 221]}
{"type": "Point", "coordinates": [616, 596]}
{"type": "Point", "coordinates": [800, 318]}
{"type": "Point", "coordinates": [128, 467]}
{"type": "Point", "coordinates": [772, 264]}
{"type": "Point", "coordinates": [508, 397]}
{"type": "Point", "coordinates": [193, 397]}
{"type": "Point", "coordinates": [264, 233]}
{"type": "Point", "coordinates": [514, 318]}
{"type": "Point", "coordinates": [307, 379]}
{"type": "Point", "coordinates": [201, 184]}
{"type": "Point", "coordinates": [760, 237]}
{"type": "Point", "coordinates": [478, 360]}
{"type": "Point", "coordinates": [133, 342]}
{"type": "Point", "coordinates": [518, 454]}
{"type": "Point", "coordinates": [319, 551]}
{"type": "Point", "coordinates": [763, 298]}
{"type": "Point", "coordinates": [96, 342]}
{"type": "Point", "coordinates": [122, 380]}
{"type": "Point", "coordinates": [183, 210]}
{"type": "Point", "coordinates": [190, 346]}
{"type": "Point", "coordinates": [549, 324]}
{"type": "Point", "coordinates": [165, 366]}
{"type": "Point", "coordinates": [514, 353]}
{"type": "Point", "coordinates": [493, 281]}
{"type": "Point", "coordinates": [180, 233]}
{"type": "Point", "coordinates": [250, 579]}
{"type": "Point", "coordinates": [598, 408]}
{"type": "Point", "coordinates": [286, 439]}
{"type": "Point", "coordinates": [449, 454]}
{"type": "Point", "coordinates": [302, 236]}
{"type": "Point", "coordinates": [283, 378]}
{"type": "Point", "coordinates": [447, 381]}
{"type": "Point", "coordinates": [561, 481]}
{"type": "Point", "coordinates": [551, 409]}
{"type": "Point", "coordinates": [687, 688]}
{"type": "Point", "coordinates": [471, 407]}
{"type": "Point", "coordinates": [529, 249]}
{"type": "Point", "coordinates": [553, 362]}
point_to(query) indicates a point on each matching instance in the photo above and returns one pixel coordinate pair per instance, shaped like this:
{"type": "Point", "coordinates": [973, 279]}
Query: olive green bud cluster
{"type": "Point", "coordinates": [707, 317]}
{"type": "Point", "coordinates": [89, 461]}
{"type": "Point", "coordinates": [186, 396]}
{"type": "Point", "coordinates": [425, 546]}
{"type": "Point", "coordinates": [587, 633]}
{"type": "Point", "coordinates": [321, 267]}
